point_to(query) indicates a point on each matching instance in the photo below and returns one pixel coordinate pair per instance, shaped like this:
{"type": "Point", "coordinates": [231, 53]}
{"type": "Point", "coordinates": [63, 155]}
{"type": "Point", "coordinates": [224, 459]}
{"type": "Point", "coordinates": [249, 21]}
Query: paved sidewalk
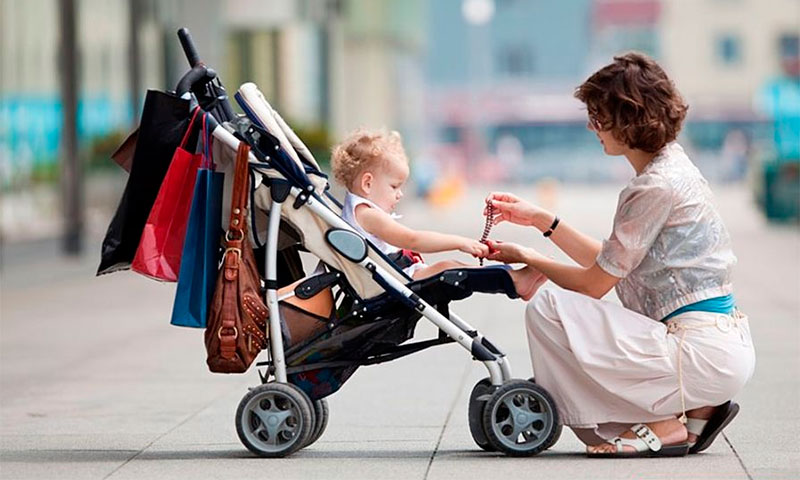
{"type": "Point", "coordinates": [94, 382]}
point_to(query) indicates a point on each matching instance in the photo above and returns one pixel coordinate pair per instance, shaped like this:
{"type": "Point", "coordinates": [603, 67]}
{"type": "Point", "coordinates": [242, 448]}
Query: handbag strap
{"type": "Point", "coordinates": [234, 242]}
{"type": "Point", "coordinates": [189, 128]}
{"type": "Point", "coordinates": [238, 222]}
{"type": "Point", "coordinates": [207, 161]}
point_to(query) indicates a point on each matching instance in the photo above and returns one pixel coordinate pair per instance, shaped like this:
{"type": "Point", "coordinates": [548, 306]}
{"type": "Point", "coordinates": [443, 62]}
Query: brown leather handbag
{"type": "Point", "coordinates": [237, 324]}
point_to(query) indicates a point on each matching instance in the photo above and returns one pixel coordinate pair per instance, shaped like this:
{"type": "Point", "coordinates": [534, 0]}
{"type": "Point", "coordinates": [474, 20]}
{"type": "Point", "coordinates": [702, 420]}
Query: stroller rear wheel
{"type": "Point", "coordinates": [520, 419]}
{"type": "Point", "coordinates": [475, 413]}
{"type": "Point", "coordinates": [274, 419]}
{"type": "Point", "coordinates": [321, 414]}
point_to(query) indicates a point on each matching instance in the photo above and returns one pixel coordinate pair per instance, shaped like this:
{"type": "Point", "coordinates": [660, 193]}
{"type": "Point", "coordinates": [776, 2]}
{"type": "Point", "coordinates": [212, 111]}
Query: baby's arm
{"type": "Point", "coordinates": [380, 224]}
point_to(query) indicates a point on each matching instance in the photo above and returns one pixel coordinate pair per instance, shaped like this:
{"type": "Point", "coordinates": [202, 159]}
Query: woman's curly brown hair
{"type": "Point", "coordinates": [636, 101]}
{"type": "Point", "coordinates": [363, 150]}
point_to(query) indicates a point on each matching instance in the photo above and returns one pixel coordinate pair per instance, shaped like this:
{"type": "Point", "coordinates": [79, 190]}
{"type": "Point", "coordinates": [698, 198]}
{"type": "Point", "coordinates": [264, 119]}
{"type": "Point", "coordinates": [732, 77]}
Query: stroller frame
{"type": "Point", "coordinates": [277, 417]}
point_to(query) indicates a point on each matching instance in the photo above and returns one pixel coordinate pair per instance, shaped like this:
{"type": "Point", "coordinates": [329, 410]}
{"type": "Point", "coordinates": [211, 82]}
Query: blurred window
{"type": "Point", "coordinates": [515, 61]}
{"type": "Point", "coordinates": [450, 134]}
{"type": "Point", "coordinates": [790, 45]}
{"type": "Point", "coordinates": [729, 49]}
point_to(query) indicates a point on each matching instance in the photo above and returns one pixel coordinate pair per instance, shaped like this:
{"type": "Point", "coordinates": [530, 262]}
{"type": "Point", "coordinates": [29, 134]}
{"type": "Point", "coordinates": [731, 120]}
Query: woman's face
{"type": "Point", "coordinates": [611, 146]}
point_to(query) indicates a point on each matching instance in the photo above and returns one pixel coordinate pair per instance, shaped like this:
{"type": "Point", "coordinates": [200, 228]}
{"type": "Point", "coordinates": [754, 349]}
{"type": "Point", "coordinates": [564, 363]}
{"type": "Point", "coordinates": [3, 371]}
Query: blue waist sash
{"type": "Point", "coordinates": [724, 304]}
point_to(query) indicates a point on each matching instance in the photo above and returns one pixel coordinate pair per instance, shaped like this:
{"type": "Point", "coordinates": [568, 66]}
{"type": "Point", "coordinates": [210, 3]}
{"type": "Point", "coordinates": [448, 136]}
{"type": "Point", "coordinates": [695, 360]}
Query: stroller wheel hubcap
{"type": "Point", "coordinates": [274, 419]}
{"type": "Point", "coordinates": [520, 418]}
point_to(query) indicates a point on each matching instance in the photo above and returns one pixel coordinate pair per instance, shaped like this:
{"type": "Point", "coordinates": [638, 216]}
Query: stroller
{"type": "Point", "coordinates": [357, 308]}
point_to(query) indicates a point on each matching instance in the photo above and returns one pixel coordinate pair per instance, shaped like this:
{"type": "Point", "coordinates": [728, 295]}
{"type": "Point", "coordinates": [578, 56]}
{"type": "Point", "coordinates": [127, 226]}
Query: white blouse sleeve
{"type": "Point", "coordinates": [642, 211]}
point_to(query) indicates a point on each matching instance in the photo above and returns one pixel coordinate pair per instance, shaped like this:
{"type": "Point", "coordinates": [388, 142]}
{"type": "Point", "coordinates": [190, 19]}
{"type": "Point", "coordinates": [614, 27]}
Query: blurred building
{"type": "Point", "coordinates": [506, 85]}
{"type": "Point", "coordinates": [511, 80]}
{"type": "Point", "coordinates": [331, 64]}
{"type": "Point", "coordinates": [30, 101]}
{"type": "Point", "coordinates": [721, 53]}
{"type": "Point", "coordinates": [622, 25]}
{"type": "Point", "coordinates": [340, 63]}
{"type": "Point", "coordinates": [477, 91]}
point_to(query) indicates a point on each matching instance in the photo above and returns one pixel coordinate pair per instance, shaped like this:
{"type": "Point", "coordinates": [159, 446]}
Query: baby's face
{"type": "Point", "coordinates": [388, 180]}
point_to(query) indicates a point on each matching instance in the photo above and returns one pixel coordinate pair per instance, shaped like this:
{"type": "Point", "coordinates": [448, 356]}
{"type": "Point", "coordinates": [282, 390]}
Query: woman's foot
{"type": "Point", "coordinates": [706, 423]}
{"type": "Point", "coordinates": [702, 413]}
{"type": "Point", "coordinates": [527, 281]}
{"type": "Point", "coordinates": [670, 432]}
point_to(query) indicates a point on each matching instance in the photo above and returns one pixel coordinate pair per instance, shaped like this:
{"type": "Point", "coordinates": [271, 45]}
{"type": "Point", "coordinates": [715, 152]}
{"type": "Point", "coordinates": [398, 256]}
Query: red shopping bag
{"type": "Point", "coordinates": [158, 255]}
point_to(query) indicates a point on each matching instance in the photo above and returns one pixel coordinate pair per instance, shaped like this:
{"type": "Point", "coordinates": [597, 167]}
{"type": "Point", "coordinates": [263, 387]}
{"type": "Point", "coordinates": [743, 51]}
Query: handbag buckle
{"type": "Point", "coordinates": [236, 251]}
{"type": "Point", "coordinates": [229, 238]}
{"type": "Point", "coordinates": [235, 332]}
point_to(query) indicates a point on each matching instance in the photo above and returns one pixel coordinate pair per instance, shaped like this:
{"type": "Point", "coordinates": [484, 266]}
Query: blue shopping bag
{"type": "Point", "coordinates": [201, 247]}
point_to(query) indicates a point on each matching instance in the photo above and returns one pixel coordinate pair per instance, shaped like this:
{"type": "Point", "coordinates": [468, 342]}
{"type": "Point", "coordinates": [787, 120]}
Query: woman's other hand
{"type": "Point", "coordinates": [474, 248]}
{"type": "Point", "coordinates": [508, 252]}
{"type": "Point", "coordinates": [510, 208]}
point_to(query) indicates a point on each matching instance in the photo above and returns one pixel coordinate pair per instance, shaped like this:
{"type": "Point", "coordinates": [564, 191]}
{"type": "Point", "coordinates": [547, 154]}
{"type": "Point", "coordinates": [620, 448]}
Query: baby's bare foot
{"type": "Point", "coordinates": [527, 281]}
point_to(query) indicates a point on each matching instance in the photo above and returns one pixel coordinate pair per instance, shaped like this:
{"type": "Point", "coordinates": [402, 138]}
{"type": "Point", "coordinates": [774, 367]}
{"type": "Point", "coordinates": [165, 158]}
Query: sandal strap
{"type": "Point", "coordinates": [637, 443]}
{"type": "Point", "coordinates": [645, 439]}
{"type": "Point", "coordinates": [696, 426]}
{"type": "Point", "coordinates": [647, 436]}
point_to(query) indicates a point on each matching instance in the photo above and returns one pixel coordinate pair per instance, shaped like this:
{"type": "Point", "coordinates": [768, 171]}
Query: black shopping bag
{"type": "Point", "coordinates": [165, 118]}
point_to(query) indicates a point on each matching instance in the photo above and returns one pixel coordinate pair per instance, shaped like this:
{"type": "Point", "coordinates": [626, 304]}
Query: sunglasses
{"type": "Point", "coordinates": [595, 123]}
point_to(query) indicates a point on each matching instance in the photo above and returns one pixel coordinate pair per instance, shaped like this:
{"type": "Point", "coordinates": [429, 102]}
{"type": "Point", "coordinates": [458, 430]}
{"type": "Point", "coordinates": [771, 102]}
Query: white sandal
{"type": "Point", "coordinates": [707, 430]}
{"type": "Point", "coordinates": [695, 426]}
{"type": "Point", "coordinates": [646, 444]}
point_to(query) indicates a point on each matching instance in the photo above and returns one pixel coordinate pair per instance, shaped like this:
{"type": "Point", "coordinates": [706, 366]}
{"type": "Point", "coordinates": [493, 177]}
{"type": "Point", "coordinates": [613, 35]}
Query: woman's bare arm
{"type": "Point", "coordinates": [580, 247]}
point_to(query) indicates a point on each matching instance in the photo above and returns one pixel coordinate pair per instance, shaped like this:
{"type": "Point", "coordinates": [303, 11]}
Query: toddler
{"type": "Point", "coordinates": [373, 167]}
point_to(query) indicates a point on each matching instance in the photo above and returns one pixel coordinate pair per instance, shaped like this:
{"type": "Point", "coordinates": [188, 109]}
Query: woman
{"type": "Point", "coordinates": [677, 348]}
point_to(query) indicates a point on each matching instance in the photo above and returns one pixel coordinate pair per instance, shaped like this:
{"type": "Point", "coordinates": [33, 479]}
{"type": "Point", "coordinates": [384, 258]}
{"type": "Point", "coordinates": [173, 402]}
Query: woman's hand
{"type": "Point", "coordinates": [510, 252]}
{"type": "Point", "coordinates": [474, 248]}
{"type": "Point", "coordinates": [510, 208]}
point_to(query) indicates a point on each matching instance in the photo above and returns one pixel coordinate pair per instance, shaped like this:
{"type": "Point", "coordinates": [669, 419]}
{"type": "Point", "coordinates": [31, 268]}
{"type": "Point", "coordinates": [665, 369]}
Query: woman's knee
{"type": "Point", "coordinates": [543, 303]}
{"type": "Point", "coordinates": [540, 309]}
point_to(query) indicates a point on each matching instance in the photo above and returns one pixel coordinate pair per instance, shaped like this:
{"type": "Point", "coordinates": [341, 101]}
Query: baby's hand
{"type": "Point", "coordinates": [474, 248]}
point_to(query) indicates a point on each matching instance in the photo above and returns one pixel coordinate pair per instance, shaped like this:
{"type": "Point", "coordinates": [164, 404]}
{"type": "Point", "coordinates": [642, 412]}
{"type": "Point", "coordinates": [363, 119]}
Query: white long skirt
{"type": "Point", "coordinates": [608, 367]}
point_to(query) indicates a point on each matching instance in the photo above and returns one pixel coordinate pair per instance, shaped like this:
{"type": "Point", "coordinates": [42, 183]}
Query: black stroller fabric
{"type": "Point", "coordinates": [165, 118]}
{"type": "Point", "coordinates": [350, 343]}
{"type": "Point", "coordinates": [364, 335]}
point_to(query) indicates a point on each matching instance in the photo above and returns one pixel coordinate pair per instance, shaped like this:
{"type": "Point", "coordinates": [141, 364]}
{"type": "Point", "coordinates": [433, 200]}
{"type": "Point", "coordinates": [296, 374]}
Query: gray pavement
{"type": "Point", "coordinates": [94, 382]}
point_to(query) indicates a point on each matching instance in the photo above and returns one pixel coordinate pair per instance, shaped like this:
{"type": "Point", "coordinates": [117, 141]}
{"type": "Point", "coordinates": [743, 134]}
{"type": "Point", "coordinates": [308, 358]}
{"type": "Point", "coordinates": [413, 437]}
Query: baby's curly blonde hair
{"type": "Point", "coordinates": [362, 150]}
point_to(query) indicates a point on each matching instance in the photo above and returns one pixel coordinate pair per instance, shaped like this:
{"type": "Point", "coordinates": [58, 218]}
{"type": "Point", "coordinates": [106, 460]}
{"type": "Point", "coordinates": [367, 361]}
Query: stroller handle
{"type": "Point", "coordinates": [200, 81]}
{"type": "Point", "coordinates": [188, 47]}
{"type": "Point", "coordinates": [196, 74]}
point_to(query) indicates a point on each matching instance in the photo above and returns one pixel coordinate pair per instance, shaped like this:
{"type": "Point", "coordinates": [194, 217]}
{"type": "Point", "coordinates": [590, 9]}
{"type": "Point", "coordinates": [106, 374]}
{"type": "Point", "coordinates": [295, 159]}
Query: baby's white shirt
{"type": "Point", "coordinates": [351, 201]}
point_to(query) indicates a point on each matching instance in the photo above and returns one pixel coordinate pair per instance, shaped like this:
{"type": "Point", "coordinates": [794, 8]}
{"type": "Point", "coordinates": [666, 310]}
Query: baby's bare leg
{"type": "Point", "coordinates": [438, 267]}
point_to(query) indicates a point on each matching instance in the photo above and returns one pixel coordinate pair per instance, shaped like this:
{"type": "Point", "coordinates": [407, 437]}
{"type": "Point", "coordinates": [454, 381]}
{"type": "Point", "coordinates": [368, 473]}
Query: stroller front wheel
{"type": "Point", "coordinates": [274, 420]}
{"type": "Point", "coordinates": [520, 419]}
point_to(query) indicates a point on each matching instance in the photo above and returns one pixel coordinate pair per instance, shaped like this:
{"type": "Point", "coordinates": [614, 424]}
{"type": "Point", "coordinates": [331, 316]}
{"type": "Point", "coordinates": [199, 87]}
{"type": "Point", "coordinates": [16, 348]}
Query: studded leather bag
{"type": "Point", "coordinates": [236, 330]}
